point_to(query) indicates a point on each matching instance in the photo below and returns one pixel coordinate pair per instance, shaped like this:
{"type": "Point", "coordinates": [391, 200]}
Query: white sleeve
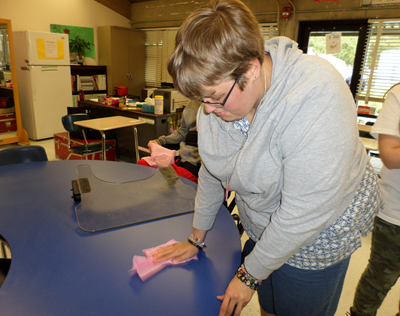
{"type": "Point", "coordinates": [389, 117]}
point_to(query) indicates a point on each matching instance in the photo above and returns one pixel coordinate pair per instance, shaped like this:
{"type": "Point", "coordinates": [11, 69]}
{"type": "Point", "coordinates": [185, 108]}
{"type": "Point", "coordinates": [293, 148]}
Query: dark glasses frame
{"type": "Point", "coordinates": [226, 98]}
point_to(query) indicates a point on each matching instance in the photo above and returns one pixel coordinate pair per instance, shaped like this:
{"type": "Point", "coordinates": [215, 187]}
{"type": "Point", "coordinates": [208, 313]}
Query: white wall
{"type": "Point", "coordinates": [37, 15]}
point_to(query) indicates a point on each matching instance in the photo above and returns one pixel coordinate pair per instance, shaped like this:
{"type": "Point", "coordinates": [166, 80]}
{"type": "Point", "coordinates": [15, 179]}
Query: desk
{"type": "Point", "coordinates": [364, 128]}
{"type": "Point", "coordinates": [370, 144]}
{"type": "Point", "coordinates": [58, 269]}
{"type": "Point", "coordinates": [156, 126]}
{"type": "Point", "coordinates": [109, 123]}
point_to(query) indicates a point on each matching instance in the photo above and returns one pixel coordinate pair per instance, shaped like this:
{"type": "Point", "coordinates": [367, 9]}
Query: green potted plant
{"type": "Point", "coordinates": [79, 45]}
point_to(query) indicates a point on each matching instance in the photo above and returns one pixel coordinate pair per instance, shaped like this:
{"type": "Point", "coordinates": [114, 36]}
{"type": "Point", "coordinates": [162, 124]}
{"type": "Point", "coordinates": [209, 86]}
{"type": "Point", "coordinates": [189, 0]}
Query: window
{"type": "Point", "coordinates": [312, 40]}
{"type": "Point", "coordinates": [160, 44]}
{"type": "Point", "coordinates": [269, 30]}
{"type": "Point", "coordinates": [380, 67]}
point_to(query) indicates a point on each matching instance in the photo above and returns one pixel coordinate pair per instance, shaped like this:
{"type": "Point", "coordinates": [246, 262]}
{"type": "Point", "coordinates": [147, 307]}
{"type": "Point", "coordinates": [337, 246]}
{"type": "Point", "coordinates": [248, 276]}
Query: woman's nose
{"type": "Point", "coordinates": [210, 108]}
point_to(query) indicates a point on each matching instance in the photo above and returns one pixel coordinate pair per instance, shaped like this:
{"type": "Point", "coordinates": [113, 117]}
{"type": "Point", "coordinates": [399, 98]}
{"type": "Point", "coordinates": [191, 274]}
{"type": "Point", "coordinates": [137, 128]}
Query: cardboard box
{"type": "Point", "coordinates": [62, 150]}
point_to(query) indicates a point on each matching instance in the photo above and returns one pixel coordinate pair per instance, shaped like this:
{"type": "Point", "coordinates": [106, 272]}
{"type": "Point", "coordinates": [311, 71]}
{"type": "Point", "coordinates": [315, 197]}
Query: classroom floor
{"type": "Point", "coordinates": [357, 264]}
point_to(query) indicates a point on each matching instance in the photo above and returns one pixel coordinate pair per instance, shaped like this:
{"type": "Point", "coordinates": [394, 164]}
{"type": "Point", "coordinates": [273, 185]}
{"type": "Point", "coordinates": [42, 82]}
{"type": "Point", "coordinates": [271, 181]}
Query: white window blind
{"type": "Point", "coordinates": [160, 45]}
{"type": "Point", "coordinates": [168, 48]}
{"type": "Point", "coordinates": [380, 66]}
{"type": "Point", "coordinates": [269, 30]}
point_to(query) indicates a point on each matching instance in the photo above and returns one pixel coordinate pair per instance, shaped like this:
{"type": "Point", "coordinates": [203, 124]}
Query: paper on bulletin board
{"type": "Point", "coordinates": [86, 33]}
{"type": "Point", "coordinates": [333, 43]}
{"type": "Point", "coordinates": [49, 48]}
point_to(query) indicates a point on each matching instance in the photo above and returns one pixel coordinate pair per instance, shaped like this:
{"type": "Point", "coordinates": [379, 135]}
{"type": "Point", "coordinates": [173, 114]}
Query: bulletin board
{"type": "Point", "coordinates": [86, 33]}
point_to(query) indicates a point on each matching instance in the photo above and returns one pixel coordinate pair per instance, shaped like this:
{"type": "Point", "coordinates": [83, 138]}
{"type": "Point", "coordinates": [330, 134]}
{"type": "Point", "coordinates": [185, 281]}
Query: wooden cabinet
{"type": "Point", "coordinates": [122, 50]}
{"type": "Point", "coordinates": [13, 131]}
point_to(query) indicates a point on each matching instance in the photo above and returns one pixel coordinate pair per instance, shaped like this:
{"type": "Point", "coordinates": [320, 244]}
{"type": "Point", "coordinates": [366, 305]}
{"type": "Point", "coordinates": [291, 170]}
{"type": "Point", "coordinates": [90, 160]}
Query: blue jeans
{"type": "Point", "coordinates": [290, 291]}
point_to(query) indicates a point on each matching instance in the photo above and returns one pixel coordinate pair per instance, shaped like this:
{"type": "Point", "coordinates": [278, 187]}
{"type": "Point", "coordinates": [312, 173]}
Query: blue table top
{"type": "Point", "coordinates": [58, 269]}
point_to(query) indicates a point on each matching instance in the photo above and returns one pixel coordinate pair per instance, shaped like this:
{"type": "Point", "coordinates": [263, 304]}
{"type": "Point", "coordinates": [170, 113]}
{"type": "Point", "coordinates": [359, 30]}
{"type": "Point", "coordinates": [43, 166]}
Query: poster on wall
{"type": "Point", "coordinates": [86, 33]}
{"type": "Point", "coordinates": [333, 43]}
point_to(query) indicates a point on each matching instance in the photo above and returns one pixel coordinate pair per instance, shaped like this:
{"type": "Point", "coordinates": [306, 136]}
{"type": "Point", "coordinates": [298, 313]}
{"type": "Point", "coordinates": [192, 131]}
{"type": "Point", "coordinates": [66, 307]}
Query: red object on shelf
{"type": "Point", "coordinates": [121, 90]}
{"type": "Point", "coordinates": [366, 110]}
{"type": "Point", "coordinates": [62, 150]}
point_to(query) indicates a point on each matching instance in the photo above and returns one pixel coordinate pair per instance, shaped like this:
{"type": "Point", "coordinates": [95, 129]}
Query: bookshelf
{"type": "Point", "coordinates": [86, 72]}
{"type": "Point", "coordinates": [91, 79]}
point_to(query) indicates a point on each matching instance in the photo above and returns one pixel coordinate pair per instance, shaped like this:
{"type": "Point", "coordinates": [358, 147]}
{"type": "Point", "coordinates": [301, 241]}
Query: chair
{"type": "Point", "coordinates": [87, 148]}
{"type": "Point", "coordinates": [21, 154]}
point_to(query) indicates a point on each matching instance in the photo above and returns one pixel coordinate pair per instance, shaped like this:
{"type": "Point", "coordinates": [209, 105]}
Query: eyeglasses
{"type": "Point", "coordinates": [226, 98]}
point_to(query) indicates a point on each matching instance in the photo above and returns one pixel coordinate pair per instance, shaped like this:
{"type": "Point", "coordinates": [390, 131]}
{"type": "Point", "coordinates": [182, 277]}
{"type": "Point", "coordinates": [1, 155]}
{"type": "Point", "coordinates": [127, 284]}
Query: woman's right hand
{"type": "Point", "coordinates": [180, 251]}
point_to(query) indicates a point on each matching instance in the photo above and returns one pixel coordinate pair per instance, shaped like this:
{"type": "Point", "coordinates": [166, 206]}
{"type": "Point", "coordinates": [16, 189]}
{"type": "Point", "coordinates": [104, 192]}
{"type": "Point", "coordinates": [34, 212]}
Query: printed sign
{"type": "Point", "coordinates": [333, 43]}
{"type": "Point", "coordinates": [50, 49]}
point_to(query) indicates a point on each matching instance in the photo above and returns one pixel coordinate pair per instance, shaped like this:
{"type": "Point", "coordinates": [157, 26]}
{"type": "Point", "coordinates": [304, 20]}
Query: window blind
{"type": "Point", "coordinates": [160, 44]}
{"type": "Point", "coordinates": [380, 66]}
{"type": "Point", "coordinates": [269, 30]}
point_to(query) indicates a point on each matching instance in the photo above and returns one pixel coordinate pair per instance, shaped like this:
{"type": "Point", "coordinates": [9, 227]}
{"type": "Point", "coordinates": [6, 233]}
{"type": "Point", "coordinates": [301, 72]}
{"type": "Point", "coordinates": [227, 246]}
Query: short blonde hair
{"type": "Point", "coordinates": [214, 44]}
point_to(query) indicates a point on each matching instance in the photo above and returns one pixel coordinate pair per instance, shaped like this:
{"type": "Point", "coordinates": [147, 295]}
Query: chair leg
{"type": "Point", "coordinates": [69, 155]}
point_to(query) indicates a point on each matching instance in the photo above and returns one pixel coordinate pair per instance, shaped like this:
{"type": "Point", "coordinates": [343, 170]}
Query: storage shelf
{"type": "Point", "coordinates": [89, 71]}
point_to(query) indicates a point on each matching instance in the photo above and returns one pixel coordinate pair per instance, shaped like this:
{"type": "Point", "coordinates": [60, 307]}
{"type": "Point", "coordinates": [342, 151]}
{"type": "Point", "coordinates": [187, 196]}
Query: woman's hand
{"type": "Point", "coordinates": [237, 294]}
{"type": "Point", "coordinates": [179, 252]}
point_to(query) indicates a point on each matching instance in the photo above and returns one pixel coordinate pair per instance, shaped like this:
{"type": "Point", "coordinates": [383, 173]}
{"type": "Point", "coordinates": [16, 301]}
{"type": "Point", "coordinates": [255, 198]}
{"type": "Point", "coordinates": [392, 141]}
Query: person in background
{"type": "Point", "coordinates": [280, 129]}
{"type": "Point", "coordinates": [186, 138]}
{"type": "Point", "coordinates": [383, 267]}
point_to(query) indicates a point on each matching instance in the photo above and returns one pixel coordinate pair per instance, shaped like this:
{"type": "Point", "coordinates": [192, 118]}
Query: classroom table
{"type": "Point", "coordinates": [370, 144]}
{"type": "Point", "coordinates": [59, 269]}
{"type": "Point", "coordinates": [110, 123]}
{"type": "Point", "coordinates": [364, 128]}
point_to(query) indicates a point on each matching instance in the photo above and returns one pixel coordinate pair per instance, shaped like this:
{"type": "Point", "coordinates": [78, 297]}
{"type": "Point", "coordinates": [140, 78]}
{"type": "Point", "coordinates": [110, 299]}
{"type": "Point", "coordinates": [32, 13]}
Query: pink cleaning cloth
{"type": "Point", "coordinates": [145, 267]}
{"type": "Point", "coordinates": [158, 150]}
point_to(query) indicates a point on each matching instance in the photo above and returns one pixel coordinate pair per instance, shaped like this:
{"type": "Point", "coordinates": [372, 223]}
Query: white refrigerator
{"type": "Point", "coordinates": [44, 81]}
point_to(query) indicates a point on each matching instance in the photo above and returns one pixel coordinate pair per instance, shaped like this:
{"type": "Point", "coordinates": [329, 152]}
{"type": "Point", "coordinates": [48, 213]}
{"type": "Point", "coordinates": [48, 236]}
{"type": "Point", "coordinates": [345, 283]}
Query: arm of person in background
{"type": "Point", "coordinates": [389, 151]}
{"type": "Point", "coordinates": [188, 122]}
{"type": "Point", "coordinates": [387, 130]}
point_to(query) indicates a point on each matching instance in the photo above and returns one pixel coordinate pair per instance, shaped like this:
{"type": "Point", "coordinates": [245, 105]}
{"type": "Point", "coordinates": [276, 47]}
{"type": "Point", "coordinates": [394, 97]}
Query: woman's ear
{"type": "Point", "coordinates": [254, 70]}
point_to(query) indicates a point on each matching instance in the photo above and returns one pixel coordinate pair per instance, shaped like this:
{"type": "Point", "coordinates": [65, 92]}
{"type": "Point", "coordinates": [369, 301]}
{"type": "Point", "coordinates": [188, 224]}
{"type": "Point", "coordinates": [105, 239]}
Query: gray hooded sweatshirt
{"type": "Point", "coordinates": [299, 167]}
